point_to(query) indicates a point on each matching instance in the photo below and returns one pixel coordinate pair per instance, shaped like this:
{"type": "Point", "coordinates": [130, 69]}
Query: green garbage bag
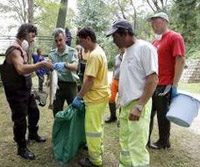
{"type": "Point", "coordinates": [68, 133]}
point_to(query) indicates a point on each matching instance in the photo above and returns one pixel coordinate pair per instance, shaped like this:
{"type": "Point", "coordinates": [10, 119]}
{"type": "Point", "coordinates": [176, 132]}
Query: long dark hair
{"type": "Point", "coordinates": [24, 29]}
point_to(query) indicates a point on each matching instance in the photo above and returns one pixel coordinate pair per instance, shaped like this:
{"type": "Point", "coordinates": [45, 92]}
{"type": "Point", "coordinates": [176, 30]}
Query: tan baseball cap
{"type": "Point", "coordinates": [159, 15]}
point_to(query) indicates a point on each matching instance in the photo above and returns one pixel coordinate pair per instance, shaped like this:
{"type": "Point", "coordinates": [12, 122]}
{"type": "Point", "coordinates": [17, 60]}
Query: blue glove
{"type": "Point", "coordinates": [77, 102]}
{"type": "Point", "coordinates": [59, 66]}
{"type": "Point", "coordinates": [174, 91]}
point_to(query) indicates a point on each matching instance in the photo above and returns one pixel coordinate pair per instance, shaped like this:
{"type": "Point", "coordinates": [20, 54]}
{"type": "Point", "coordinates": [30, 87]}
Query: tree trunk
{"type": "Point", "coordinates": [121, 9]}
{"type": "Point", "coordinates": [62, 14]}
{"type": "Point", "coordinates": [135, 16]}
{"type": "Point", "coordinates": [30, 11]}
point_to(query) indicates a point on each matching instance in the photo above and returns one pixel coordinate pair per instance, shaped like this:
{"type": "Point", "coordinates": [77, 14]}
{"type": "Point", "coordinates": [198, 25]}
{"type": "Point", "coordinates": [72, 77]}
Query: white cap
{"type": "Point", "coordinates": [159, 15]}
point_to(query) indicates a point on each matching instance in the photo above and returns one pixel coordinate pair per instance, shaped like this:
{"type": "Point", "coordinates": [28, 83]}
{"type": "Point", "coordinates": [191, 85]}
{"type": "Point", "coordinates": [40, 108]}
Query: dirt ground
{"type": "Point", "coordinates": [185, 150]}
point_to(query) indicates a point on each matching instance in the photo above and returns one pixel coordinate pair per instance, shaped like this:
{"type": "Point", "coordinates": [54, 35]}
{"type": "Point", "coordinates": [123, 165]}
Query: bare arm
{"type": "Point", "coordinates": [69, 66]}
{"type": "Point", "coordinates": [179, 66]}
{"type": "Point", "coordinates": [150, 86]}
{"type": "Point", "coordinates": [72, 66]}
{"type": "Point", "coordinates": [87, 85]}
{"type": "Point", "coordinates": [22, 69]}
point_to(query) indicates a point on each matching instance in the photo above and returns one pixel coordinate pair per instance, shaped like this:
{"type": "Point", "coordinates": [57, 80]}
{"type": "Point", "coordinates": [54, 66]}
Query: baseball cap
{"type": "Point", "coordinates": [159, 15]}
{"type": "Point", "coordinates": [124, 24]}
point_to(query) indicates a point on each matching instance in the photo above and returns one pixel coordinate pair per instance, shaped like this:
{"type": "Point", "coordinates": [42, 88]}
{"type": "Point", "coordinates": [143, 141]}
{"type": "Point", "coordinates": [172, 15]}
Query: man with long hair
{"type": "Point", "coordinates": [16, 77]}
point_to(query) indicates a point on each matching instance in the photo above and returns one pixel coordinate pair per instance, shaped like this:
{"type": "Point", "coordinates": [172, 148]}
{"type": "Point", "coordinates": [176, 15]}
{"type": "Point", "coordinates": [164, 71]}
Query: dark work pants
{"type": "Point", "coordinates": [66, 91]}
{"type": "Point", "coordinates": [40, 82]}
{"type": "Point", "coordinates": [160, 104]}
{"type": "Point", "coordinates": [21, 109]}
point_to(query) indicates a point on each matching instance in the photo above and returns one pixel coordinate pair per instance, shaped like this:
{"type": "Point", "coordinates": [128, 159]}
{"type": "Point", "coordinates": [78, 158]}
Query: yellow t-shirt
{"type": "Point", "coordinates": [97, 67]}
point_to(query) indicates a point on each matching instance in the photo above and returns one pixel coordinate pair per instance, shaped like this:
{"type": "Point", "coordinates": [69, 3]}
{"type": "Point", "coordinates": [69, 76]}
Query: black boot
{"type": "Point", "coordinates": [33, 135]}
{"type": "Point", "coordinates": [36, 138]}
{"type": "Point", "coordinates": [25, 153]}
{"type": "Point", "coordinates": [85, 162]}
{"type": "Point", "coordinates": [160, 145]}
{"type": "Point", "coordinates": [112, 117]}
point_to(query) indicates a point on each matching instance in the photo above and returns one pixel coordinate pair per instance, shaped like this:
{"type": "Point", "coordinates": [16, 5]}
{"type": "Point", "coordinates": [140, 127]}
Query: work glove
{"type": "Point", "coordinates": [167, 90]}
{"type": "Point", "coordinates": [174, 91]}
{"type": "Point", "coordinates": [59, 66]}
{"type": "Point", "coordinates": [77, 102]}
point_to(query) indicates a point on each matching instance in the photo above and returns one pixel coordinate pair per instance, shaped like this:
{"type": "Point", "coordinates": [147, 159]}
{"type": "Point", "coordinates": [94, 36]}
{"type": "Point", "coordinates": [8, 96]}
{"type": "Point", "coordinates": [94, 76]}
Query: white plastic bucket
{"type": "Point", "coordinates": [183, 110]}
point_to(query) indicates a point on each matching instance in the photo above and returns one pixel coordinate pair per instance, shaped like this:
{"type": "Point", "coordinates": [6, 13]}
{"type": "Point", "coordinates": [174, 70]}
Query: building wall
{"type": "Point", "coordinates": [191, 73]}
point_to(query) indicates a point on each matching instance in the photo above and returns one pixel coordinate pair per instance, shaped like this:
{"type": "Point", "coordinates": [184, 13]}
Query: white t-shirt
{"type": "Point", "coordinates": [139, 61]}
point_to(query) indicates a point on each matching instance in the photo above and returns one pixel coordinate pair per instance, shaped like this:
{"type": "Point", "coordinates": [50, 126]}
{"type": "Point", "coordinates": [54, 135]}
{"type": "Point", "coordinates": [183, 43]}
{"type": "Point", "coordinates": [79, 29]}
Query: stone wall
{"type": "Point", "coordinates": [191, 73]}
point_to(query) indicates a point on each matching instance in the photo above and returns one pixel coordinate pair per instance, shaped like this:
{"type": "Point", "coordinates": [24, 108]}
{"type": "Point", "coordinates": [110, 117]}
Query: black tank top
{"type": "Point", "coordinates": [17, 87]}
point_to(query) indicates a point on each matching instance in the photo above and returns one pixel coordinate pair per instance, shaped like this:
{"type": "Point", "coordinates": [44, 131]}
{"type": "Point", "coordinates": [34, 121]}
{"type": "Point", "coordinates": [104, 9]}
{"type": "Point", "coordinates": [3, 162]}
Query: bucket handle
{"type": "Point", "coordinates": [197, 105]}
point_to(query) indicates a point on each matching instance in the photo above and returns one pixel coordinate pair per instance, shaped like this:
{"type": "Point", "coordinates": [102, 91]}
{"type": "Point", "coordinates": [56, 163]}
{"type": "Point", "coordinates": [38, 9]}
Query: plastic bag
{"type": "Point", "coordinates": [68, 133]}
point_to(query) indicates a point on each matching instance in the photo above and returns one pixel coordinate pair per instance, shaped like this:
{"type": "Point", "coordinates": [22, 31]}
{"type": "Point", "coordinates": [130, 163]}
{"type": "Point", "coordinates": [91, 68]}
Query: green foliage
{"type": "Point", "coordinates": [45, 17]}
{"type": "Point", "coordinates": [186, 21]}
{"type": "Point", "coordinates": [17, 10]}
{"type": "Point", "coordinates": [70, 19]}
{"type": "Point", "coordinates": [111, 50]}
{"type": "Point", "coordinates": [99, 15]}
{"type": "Point", "coordinates": [95, 14]}
{"type": "Point", "coordinates": [47, 13]}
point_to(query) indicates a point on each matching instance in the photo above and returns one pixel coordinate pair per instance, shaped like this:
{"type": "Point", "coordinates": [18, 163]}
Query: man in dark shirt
{"type": "Point", "coordinates": [16, 77]}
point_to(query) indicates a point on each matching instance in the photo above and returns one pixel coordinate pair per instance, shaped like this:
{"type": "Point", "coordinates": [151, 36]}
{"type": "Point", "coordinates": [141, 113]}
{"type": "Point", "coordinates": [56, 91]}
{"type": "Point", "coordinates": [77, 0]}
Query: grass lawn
{"type": "Point", "coordinates": [192, 87]}
{"type": "Point", "coordinates": [184, 152]}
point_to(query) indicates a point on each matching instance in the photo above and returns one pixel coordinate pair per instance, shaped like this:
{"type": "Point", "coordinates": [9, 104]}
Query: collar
{"type": "Point", "coordinates": [130, 46]}
{"type": "Point", "coordinates": [66, 51]}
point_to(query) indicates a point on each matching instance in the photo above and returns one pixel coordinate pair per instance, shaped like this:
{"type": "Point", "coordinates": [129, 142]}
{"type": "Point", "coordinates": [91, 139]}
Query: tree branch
{"type": "Point", "coordinates": [121, 9]}
{"type": "Point", "coordinates": [135, 14]}
{"type": "Point", "coordinates": [151, 6]}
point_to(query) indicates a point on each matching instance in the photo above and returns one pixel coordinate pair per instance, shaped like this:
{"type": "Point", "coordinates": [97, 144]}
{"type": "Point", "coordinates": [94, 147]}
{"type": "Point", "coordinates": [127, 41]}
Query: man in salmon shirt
{"type": "Point", "coordinates": [171, 58]}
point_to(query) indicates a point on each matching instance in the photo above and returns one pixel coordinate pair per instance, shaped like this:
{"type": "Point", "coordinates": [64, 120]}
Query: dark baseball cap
{"type": "Point", "coordinates": [124, 24]}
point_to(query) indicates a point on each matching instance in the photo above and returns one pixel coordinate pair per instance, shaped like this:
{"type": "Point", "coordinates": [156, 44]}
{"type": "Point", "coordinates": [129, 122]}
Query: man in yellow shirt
{"type": "Point", "coordinates": [96, 94]}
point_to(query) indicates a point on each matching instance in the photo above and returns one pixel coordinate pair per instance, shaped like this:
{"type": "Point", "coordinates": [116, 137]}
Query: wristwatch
{"type": "Point", "coordinates": [139, 107]}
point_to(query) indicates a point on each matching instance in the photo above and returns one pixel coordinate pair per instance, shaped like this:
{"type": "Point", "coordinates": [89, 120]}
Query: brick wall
{"type": "Point", "coordinates": [191, 73]}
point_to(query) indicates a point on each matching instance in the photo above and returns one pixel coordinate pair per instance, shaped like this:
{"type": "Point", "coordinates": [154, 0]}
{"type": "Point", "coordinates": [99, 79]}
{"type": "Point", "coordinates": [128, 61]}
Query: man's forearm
{"type": "Point", "coordinates": [150, 86]}
{"type": "Point", "coordinates": [28, 68]}
{"type": "Point", "coordinates": [87, 85]}
{"type": "Point", "coordinates": [179, 66]}
{"type": "Point", "coordinates": [72, 66]}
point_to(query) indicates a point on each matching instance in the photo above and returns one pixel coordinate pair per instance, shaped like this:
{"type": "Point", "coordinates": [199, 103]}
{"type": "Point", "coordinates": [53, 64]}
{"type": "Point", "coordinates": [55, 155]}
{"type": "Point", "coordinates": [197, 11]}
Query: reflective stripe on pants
{"type": "Point", "coordinates": [94, 131]}
{"type": "Point", "coordinates": [133, 138]}
{"type": "Point", "coordinates": [134, 166]}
